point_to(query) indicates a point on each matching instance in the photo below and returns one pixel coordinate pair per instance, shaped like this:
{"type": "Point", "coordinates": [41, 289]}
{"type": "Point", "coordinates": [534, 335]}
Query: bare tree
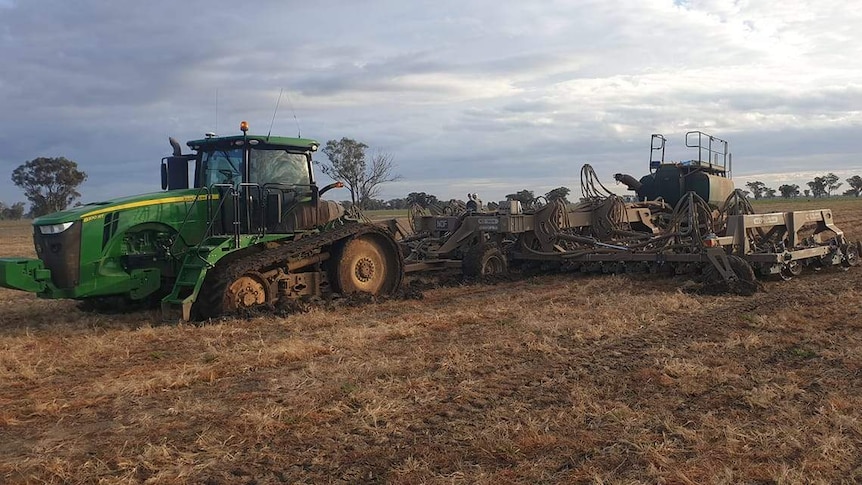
{"type": "Point", "coordinates": [348, 164]}
{"type": "Point", "coordinates": [380, 171]}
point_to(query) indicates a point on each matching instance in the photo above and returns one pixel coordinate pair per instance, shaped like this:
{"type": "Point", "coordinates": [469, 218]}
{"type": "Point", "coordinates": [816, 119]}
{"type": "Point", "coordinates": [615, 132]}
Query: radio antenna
{"type": "Point", "coordinates": [298, 130]}
{"type": "Point", "coordinates": [216, 101]}
{"type": "Point", "coordinates": [274, 113]}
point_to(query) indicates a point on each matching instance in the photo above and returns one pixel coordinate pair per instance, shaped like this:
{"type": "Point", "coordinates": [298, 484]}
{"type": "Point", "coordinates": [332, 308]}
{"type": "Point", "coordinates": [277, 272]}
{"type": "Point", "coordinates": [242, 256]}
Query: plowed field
{"type": "Point", "coordinates": [551, 379]}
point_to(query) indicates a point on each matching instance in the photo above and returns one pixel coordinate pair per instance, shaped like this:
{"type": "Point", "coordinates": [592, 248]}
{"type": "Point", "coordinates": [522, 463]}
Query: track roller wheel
{"type": "Point", "coordinates": [484, 260]}
{"type": "Point", "coordinates": [368, 263]}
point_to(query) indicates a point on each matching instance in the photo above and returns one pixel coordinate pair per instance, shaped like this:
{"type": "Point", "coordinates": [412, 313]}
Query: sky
{"type": "Point", "coordinates": [484, 96]}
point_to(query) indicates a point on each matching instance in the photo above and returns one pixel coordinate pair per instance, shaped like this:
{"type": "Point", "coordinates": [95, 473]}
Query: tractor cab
{"type": "Point", "coordinates": [256, 184]}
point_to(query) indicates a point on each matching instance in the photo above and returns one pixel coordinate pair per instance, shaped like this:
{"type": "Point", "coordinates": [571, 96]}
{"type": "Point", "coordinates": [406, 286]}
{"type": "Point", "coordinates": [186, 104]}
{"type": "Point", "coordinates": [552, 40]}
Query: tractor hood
{"type": "Point", "coordinates": [96, 209]}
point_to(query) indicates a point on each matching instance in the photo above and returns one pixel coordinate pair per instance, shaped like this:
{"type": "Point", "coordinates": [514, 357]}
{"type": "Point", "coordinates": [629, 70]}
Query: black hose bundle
{"type": "Point", "coordinates": [590, 184]}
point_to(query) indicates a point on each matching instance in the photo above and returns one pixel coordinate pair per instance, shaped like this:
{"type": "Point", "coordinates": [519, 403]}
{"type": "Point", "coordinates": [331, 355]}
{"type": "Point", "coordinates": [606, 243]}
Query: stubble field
{"type": "Point", "coordinates": [553, 379]}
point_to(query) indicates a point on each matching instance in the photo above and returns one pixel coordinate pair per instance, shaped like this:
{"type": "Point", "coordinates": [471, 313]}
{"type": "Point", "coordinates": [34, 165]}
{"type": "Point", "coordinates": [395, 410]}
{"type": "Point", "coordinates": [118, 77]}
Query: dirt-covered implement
{"type": "Point", "coordinates": [687, 219]}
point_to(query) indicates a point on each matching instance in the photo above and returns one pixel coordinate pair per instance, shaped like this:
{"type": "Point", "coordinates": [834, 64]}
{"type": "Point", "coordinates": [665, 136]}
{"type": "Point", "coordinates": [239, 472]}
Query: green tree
{"type": "Point", "coordinates": [559, 193]}
{"type": "Point", "coordinates": [50, 184]}
{"type": "Point", "coordinates": [421, 199]}
{"type": "Point", "coordinates": [788, 191]}
{"type": "Point", "coordinates": [525, 196]}
{"type": "Point", "coordinates": [818, 186]}
{"type": "Point", "coordinates": [832, 183]}
{"type": "Point", "coordinates": [396, 203]}
{"type": "Point", "coordinates": [14, 212]}
{"type": "Point", "coordinates": [855, 183]}
{"type": "Point", "coordinates": [348, 164]}
{"type": "Point", "coordinates": [373, 204]}
{"type": "Point", "coordinates": [758, 188]}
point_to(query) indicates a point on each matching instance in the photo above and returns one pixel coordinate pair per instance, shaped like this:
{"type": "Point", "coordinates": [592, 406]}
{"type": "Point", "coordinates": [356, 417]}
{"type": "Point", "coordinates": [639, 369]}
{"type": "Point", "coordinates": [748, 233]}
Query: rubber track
{"type": "Point", "coordinates": [209, 301]}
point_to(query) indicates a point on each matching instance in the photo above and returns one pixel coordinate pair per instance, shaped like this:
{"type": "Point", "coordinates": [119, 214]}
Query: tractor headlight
{"type": "Point", "coordinates": [55, 228]}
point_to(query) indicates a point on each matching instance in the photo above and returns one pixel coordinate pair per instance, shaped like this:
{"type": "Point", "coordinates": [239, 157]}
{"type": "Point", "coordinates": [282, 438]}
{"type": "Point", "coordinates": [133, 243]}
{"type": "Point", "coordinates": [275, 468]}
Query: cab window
{"type": "Point", "coordinates": [278, 166]}
{"type": "Point", "coordinates": [222, 167]}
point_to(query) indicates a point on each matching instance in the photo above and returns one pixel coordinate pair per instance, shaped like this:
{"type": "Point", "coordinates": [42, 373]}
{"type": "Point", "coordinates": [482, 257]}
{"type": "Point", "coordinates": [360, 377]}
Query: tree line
{"type": "Point", "coordinates": [822, 186]}
{"type": "Point", "coordinates": [423, 199]}
{"type": "Point", "coordinates": [50, 184]}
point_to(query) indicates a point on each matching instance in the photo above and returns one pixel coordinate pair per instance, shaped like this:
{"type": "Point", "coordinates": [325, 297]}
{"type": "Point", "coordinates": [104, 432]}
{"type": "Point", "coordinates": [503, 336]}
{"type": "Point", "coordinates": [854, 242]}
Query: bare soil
{"type": "Point", "coordinates": [549, 379]}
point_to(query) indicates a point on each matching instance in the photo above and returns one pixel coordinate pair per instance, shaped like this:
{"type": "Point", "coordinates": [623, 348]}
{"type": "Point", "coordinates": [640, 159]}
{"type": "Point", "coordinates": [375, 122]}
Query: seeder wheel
{"type": "Point", "coordinates": [851, 255]}
{"type": "Point", "coordinates": [484, 260]}
{"type": "Point", "coordinates": [744, 281]}
{"type": "Point", "coordinates": [790, 269]}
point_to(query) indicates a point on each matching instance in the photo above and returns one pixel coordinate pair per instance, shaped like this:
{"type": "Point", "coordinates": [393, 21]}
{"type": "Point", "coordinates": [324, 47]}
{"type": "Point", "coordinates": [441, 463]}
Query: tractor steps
{"type": "Point", "coordinates": [190, 278]}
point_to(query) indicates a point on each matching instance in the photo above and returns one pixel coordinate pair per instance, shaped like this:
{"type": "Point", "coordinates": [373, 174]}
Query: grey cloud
{"type": "Point", "coordinates": [529, 91]}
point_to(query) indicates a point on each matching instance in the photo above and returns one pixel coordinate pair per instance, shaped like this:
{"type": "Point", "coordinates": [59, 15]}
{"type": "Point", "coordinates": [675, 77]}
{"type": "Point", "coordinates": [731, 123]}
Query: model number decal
{"type": "Point", "coordinates": [488, 224]}
{"type": "Point", "coordinates": [93, 218]}
{"type": "Point", "coordinates": [765, 220]}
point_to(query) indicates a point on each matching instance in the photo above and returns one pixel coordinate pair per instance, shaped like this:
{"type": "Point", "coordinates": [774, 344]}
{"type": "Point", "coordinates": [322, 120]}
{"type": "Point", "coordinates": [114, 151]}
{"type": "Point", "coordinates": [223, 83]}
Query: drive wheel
{"type": "Point", "coordinates": [367, 264]}
{"type": "Point", "coordinates": [484, 260]}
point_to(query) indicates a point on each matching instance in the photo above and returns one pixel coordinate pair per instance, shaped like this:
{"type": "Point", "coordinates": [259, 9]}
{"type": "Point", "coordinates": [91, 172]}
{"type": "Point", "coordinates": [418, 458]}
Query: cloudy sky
{"type": "Point", "coordinates": [488, 96]}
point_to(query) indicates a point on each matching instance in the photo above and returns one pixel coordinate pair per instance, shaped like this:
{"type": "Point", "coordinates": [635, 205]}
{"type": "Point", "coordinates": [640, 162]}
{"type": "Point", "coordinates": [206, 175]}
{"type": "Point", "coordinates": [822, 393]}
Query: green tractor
{"type": "Point", "coordinates": [250, 230]}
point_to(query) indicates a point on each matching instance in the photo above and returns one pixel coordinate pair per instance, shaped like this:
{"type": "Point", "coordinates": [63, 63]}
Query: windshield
{"type": "Point", "coordinates": [222, 167]}
{"type": "Point", "coordinates": [274, 166]}
{"type": "Point", "coordinates": [278, 166]}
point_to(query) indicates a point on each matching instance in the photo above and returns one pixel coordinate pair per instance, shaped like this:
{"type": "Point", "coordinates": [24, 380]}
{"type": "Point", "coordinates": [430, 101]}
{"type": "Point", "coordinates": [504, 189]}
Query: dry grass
{"type": "Point", "coordinates": [554, 379]}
